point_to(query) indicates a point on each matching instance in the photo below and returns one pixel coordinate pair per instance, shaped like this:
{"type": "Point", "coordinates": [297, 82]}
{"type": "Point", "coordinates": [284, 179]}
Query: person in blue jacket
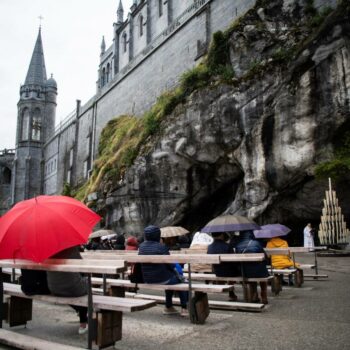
{"type": "Point", "coordinates": [247, 243]}
{"type": "Point", "coordinates": [161, 273]}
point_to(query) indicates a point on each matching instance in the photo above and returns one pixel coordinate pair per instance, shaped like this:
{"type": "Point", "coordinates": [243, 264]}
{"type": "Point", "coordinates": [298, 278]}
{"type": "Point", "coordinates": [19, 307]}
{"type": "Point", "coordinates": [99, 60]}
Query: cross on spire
{"type": "Point", "coordinates": [40, 19]}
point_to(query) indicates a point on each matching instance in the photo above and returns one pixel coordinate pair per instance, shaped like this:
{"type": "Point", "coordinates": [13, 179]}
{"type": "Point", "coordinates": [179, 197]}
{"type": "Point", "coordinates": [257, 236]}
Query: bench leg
{"type": "Point", "coordinates": [109, 328]}
{"type": "Point", "coordinates": [252, 292]}
{"type": "Point", "coordinates": [276, 284]}
{"type": "Point", "coordinates": [299, 278]}
{"type": "Point", "coordinates": [19, 311]}
{"type": "Point", "coordinates": [5, 310]}
{"type": "Point", "coordinates": [117, 292]}
{"type": "Point", "coordinates": [200, 306]}
{"type": "Point", "coordinates": [263, 292]}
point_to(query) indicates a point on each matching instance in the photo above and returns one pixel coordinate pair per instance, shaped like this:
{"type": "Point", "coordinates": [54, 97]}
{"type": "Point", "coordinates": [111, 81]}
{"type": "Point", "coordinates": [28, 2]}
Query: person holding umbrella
{"type": "Point", "coordinates": [275, 232]}
{"type": "Point", "coordinates": [225, 269]}
{"type": "Point", "coordinates": [246, 243]}
{"type": "Point", "coordinates": [49, 226]}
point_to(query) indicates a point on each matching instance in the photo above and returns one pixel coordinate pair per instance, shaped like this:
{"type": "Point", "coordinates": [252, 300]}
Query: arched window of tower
{"type": "Point", "coordinates": [160, 7]}
{"type": "Point", "coordinates": [108, 72]}
{"type": "Point", "coordinates": [141, 25]}
{"type": "Point", "coordinates": [103, 77]}
{"type": "Point", "coordinates": [124, 42]}
{"type": "Point", "coordinates": [25, 124]}
{"type": "Point", "coordinates": [36, 125]}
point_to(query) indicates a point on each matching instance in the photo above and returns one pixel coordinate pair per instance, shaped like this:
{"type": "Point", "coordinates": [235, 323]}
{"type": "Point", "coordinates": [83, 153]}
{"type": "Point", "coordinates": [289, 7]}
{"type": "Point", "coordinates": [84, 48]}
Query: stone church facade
{"type": "Point", "coordinates": [156, 42]}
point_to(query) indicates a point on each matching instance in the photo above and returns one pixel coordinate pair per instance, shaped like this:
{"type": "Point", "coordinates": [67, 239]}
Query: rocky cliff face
{"type": "Point", "coordinates": [250, 147]}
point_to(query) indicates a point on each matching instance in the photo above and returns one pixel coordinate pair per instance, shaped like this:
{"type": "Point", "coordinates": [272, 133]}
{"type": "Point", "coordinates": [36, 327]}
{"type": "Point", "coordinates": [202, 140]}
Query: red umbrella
{"type": "Point", "coordinates": [37, 228]}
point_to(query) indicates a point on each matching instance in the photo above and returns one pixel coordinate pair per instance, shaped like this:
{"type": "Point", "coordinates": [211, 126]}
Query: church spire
{"type": "Point", "coordinates": [120, 12]}
{"type": "Point", "coordinates": [103, 46]}
{"type": "Point", "coordinates": [37, 71]}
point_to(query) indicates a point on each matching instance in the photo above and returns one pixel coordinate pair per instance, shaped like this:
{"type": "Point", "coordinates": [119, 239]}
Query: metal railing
{"type": "Point", "coordinates": [7, 151]}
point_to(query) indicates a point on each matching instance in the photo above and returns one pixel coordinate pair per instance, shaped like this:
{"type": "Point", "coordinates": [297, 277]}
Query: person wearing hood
{"type": "Point", "coordinates": [282, 261]}
{"type": "Point", "coordinates": [161, 273]}
{"type": "Point", "coordinates": [132, 243]}
{"type": "Point", "coordinates": [247, 243]}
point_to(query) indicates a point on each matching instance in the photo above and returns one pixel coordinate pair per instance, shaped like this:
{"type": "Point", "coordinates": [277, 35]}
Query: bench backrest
{"type": "Point", "coordinates": [68, 265]}
{"type": "Point", "coordinates": [180, 258]}
{"type": "Point", "coordinates": [156, 259]}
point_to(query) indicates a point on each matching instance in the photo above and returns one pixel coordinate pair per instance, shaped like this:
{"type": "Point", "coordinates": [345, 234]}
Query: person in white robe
{"type": "Point", "coordinates": [308, 236]}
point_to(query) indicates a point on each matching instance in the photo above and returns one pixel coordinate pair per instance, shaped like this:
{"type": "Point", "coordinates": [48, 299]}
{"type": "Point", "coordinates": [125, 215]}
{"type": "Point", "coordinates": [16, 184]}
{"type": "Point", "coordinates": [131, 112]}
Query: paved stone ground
{"type": "Point", "coordinates": [316, 316]}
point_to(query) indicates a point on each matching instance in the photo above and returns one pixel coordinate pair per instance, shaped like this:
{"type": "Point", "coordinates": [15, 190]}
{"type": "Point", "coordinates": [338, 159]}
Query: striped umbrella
{"type": "Point", "coordinates": [227, 223]}
{"type": "Point", "coordinates": [173, 231]}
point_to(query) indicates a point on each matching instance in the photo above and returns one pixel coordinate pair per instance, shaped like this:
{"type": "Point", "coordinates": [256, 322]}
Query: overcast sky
{"type": "Point", "coordinates": [72, 32]}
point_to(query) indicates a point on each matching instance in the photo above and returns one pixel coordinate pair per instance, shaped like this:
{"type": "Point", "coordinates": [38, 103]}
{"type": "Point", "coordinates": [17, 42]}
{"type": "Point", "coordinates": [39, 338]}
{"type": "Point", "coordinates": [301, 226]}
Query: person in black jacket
{"type": "Point", "coordinates": [161, 273]}
{"type": "Point", "coordinates": [34, 282]}
{"type": "Point", "coordinates": [225, 269]}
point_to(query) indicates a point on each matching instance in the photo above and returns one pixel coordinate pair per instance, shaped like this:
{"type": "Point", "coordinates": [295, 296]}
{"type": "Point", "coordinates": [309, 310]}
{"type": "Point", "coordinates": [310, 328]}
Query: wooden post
{"type": "Point", "coordinates": [90, 310]}
{"type": "Point", "coordinates": [109, 328]}
{"type": "Point", "coordinates": [1, 298]}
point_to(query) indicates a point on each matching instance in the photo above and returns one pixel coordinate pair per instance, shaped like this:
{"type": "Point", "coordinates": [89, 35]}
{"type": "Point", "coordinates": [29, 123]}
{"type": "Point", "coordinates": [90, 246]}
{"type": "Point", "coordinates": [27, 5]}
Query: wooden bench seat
{"type": "Point", "coordinates": [26, 342]}
{"type": "Point", "coordinates": [213, 304]}
{"type": "Point", "coordinates": [100, 302]}
{"type": "Point", "coordinates": [200, 299]}
{"type": "Point", "coordinates": [199, 302]}
{"type": "Point", "coordinates": [126, 284]}
{"type": "Point", "coordinates": [212, 277]}
{"type": "Point", "coordinates": [104, 312]}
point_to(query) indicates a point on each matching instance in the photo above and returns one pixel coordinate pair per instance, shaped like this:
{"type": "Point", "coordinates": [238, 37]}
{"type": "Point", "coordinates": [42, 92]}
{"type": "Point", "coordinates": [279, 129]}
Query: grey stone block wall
{"type": "Point", "coordinates": [6, 177]}
{"type": "Point", "coordinates": [137, 91]}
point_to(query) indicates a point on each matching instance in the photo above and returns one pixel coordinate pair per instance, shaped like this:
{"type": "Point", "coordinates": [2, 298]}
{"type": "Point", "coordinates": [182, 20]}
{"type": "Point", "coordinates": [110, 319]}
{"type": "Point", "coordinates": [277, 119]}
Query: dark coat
{"type": "Point", "coordinates": [248, 244]}
{"type": "Point", "coordinates": [34, 282]}
{"type": "Point", "coordinates": [67, 284]}
{"type": "Point", "coordinates": [225, 269]}
{"type": "Point", "coordinates": [155, 273]}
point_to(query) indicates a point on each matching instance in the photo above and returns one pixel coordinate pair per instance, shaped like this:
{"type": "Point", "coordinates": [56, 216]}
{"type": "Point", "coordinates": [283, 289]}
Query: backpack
{"type": "Point", "coordinates": [135, 275]}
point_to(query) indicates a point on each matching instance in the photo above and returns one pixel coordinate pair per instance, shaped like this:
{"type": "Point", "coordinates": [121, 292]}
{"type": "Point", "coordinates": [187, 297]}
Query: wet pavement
{"type": "Point", "coordinates": [316, 316]}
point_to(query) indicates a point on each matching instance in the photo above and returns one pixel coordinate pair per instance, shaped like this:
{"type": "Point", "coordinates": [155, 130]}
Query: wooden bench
{"type": "Point", "coordinates": [188, 259]}
{"type": "Point", "coordinates": [105, 326]}
{"type": "Point", "coordinates": [22, 341]}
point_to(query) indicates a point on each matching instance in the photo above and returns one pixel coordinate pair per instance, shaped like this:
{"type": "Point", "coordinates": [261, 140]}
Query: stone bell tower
{"type": "Point", "coordinates": [35, 125]}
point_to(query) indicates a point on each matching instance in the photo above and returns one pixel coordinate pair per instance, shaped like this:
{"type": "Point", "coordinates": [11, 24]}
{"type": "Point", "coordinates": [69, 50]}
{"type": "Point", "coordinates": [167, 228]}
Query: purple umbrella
{"type": "Point", "coordinates": [230, 223]}
{"type": "Point", "coordinates": [272, 230]}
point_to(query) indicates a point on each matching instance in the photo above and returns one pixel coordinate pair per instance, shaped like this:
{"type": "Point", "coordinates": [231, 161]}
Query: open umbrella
{"type": "Point", "coordinates": [272, 230]}
{"type": "Point", "coordinates": [101, 233]}
{"type": "Point", "coordinates": [173, 231]}
{"type": "Point", "coordinates": [228, 223]}
{"type": "Point", "coordinates": [37, 228]}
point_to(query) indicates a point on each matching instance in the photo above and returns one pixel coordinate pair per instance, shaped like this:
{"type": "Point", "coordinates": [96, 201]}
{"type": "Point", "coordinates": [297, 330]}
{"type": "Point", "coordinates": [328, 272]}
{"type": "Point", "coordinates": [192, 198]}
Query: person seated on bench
{"type": "Point", "coordinates": [281, 261]}
{"type": "Point", "coordinates": [247, 243]}
{"type": "Point", "coordinates": [34, 282]}
{"type": "Point", "coordinates": [70, 284]}
{"type": "Point", "coordinates": [225, 269]}
{"type": "Point", "coordinates": [161, 273]}
{"type": "Point", "coordinates": [132, 243]}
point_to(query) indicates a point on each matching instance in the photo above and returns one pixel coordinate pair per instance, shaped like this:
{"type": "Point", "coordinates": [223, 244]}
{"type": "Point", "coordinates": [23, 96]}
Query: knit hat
{"type": "Point", "coordinates": [152, 233]}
